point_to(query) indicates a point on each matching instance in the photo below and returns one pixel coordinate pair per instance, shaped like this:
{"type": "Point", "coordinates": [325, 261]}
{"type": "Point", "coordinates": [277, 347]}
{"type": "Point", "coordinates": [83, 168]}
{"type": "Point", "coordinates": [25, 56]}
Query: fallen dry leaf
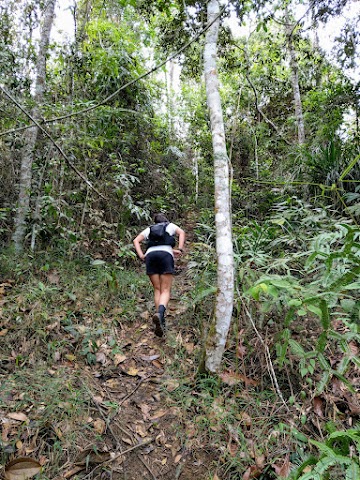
{"type": "Point", "coordinates": [251, 472]}
{"type": "Point", "coordinates": [90, 457]}
{"type": "Point", "coordinates": [22, 468]}
{"type": "Point", "coordinates": [118, 358]}
{"type": "Point", "coordinates": [53, 277]}
{"type": "Point", "coordinates": [160, 439]}
{"type": "Point", "coordinates": [160, 413]}
{"type": "Point", "coordinates": [260, 461]}
{"type": "Point", "coordinates": [112, 383]}
{"type": "Point", "coordinates": [133, 372]}
{"type": "Point", "coordinates": [319, 406]}
{"type": "Point", "coordinates": [177, 458]}
{"type": "Point", "coordinates": [233, 378]}
{"type": "Point", "coordinates": [284, 469]}
{"type": "Point", "coordinates": [6, 427]}
{"type": "Point", "coordinates": [240, 349]}
{"type": "Point", "coordinates": [172, 385]}
{"type": "Point", "coordinates": [20, 417]}
{"type": "Point", "coordinates": [352, 347]}
{"type": "Point", "coordinates": [189, 347]}
{"type": "Point", "coordinates": [97, 399]}
{"type": "Point", "coordinates": [245, 418]}
{"type": "Point", "coordinates": [3, 332]}
{"type": "Point", "coordinates": [338, 387]}
{"type": "Point", "coordinates": [99, 426]}
{"type": "Point", "coordinates": [127, 440]}
{"type": "Point", "coordinates": [145, 410]}
{"type": "Point", "coordinates": [157, 364]}
{"type": "Point", "coordinates": [141, 430]}
{"type": "Point", "coordinates": [232, 447]}
{"type": "Point", "coordinates": [73, 471]}
{"type": "Point", "coordinates": [100, 358]}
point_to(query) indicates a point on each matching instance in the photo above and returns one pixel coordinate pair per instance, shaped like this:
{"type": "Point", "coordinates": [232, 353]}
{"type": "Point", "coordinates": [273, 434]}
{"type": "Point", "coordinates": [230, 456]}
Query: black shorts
{"type": "Point", "coordinates": [159, 262]}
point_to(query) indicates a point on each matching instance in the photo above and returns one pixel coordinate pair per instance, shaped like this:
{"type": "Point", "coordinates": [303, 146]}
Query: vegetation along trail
{"type": "Point", "coordinates": [239, 121]}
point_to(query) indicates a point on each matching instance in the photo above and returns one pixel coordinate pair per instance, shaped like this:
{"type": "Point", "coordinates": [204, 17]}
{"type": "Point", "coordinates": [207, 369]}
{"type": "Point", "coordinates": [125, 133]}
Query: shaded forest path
{"type": "Point", "coordinates": [137, 417]}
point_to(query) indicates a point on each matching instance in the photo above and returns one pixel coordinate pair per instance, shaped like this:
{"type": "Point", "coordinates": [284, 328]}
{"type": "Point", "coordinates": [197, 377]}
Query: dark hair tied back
{"type": "Point", "coordinates": [160, 218]}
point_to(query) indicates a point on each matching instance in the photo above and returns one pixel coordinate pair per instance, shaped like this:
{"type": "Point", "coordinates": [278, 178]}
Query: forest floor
{"type": "Point", "coordinates": [87, 391]}
{"type": "Point", "coordinates": [118, 417]}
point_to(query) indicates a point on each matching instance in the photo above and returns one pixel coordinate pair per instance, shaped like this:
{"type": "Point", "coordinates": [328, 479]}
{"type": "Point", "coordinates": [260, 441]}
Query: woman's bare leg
{"type": "Point", "coordinates": [165, 288]}
{"type": "Point", "coordinates": [155, 280]}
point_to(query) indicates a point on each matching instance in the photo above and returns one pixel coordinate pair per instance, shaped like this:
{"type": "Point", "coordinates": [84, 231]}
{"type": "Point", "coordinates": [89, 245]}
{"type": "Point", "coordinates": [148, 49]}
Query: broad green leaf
{"type": "Point", "coordinates": [298, 435]}
{"type": "Point", "coordinates": [264, 287]}
{"type": "Point", "coordinates": [294, 302]}
{"type": "Point", "coordinates": [273, 291]}
{"type": "Point", "coordinates": [314, 309]}
{"type": "Point", "coordinates": [352, 286]}
{"type": "Point", "coordinates": [203, 294]}
{"type": "Point", "coordinates": [278, 221]}
{"type": "Point", "coordinates": [98, 262]}
{"type": "Point", "coordinates": [281, 283]}
{"type": "Point", "coordinates": [348, 304]}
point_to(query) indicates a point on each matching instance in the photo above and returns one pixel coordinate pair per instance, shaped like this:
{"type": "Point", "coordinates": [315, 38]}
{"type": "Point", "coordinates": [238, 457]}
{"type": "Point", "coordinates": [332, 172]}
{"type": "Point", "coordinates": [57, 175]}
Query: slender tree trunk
{"type": "Point", "coordinates": [170, 100]}
{"type": "Point", "coordinates": [294, 68]}
{"type": "Point", "coordinates": [217, 334]}
{"type": "Point", "coordinates": [30, 136]}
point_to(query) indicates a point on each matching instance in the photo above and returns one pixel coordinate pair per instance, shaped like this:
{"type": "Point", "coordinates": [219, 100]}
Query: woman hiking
{"type": "Point", "coordinates": [159, 259]}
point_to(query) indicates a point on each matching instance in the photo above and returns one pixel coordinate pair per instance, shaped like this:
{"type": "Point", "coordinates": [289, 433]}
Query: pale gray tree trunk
{"type": "Point", "coordinates": [218, 331]}
{"type": "Point", "coordinates": [294, 73]}
{"type": "Point", "coordinates": [30, 136]}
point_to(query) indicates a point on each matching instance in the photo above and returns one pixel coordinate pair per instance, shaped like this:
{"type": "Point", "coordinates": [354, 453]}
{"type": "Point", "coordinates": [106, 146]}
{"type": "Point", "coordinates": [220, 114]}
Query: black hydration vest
{"type": "Point", "coordinates": [159, 236]}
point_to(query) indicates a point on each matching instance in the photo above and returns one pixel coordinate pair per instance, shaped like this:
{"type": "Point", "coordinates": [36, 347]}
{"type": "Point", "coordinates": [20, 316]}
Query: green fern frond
{"type": "Point", "coordinates": [353, 472]}
{"type": "Point", "coordinates": [296, 348]}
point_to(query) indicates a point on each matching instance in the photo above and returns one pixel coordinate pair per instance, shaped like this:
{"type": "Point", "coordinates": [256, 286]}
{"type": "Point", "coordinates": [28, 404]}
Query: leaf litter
{"type": "Point", "coordinates": [129, 413]}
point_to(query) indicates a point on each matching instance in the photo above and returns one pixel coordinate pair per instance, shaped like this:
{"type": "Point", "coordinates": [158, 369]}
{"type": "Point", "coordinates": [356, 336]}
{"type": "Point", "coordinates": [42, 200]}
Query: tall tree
{"type": "Point", "coordinates": [30, 136]}
{"type": "Point", "coordinates": [294, 67]}
{"type": "Point", "coordinates": [216, 339]}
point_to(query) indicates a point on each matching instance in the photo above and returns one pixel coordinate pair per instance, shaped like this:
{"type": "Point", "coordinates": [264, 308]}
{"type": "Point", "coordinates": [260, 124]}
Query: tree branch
{"type": "Point", "coordinates": [60, 150]}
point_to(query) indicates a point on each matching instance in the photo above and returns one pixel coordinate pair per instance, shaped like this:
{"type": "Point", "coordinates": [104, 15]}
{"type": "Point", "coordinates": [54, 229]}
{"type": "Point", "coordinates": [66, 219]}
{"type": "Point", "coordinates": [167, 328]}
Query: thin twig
{"type": "Point", "coordinates": [106, 419]}
{"type": "Point", "coordinates": [259, 110]}
{"type": "Point", "coordinates": [115, 457]}
{"type": "Point", "coordinates": [268, 357]}
{"type": "Point", "coordinates": [133, 391]}
{"type": "Point", "coordinates": [147, 467]}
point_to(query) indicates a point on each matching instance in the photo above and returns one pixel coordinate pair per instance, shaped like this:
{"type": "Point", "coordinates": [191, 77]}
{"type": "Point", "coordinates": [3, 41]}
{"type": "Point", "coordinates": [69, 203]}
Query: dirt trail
{"type": "Point", "coordinates": [158, 441]}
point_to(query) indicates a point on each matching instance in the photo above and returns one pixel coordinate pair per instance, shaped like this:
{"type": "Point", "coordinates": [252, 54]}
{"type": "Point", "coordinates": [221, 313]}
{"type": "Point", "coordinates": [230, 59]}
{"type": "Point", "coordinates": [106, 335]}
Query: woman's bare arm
{"type": "Point", "coordinates": [137, 246]}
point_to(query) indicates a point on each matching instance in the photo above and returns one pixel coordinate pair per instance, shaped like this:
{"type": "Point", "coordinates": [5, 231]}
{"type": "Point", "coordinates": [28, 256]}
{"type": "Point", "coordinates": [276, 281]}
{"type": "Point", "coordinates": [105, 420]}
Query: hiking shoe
{"type": "Point", "coordinates": [163, 324]}
{"type": "Point", "coordinates": [158, 325]}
